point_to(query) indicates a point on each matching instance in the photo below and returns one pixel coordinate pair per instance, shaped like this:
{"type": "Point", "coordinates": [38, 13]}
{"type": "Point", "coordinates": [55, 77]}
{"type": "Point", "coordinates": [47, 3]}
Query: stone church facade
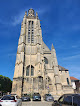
{"type": "Point", "coordinates": [36, 67]}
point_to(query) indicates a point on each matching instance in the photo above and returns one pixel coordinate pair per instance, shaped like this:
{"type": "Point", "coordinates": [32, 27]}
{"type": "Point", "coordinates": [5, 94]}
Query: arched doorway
{"type": "Point", "coordinates": [40, 83]}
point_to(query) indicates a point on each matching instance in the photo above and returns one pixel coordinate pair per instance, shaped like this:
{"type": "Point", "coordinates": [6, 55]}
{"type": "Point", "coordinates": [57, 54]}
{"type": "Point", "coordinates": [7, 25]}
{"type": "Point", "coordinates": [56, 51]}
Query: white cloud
{"type": "Point", "coordinates": [75, 74]}
{"type": "Point", "coordinates": [4, 22]}
{"type": "Point", "coordinates": [71, 57]}
{"type": "Point", "coordinates": [18, 18]}
{"type": "Point", "coordinates": [74, 46]}
{"type": "Point", "coordinates": [74, 71]}
{"type": "Point", "coordinates": [76, 27]}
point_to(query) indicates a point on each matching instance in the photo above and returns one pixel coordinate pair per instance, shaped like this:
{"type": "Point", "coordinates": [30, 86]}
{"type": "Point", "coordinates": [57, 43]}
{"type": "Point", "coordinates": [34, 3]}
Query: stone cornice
{"type": "Point", "coordinates": [58, 83]}
{"type": "Point", "coordinates": [30, 77]}
{"type": "Point", "coordinates": [67, 86]}
{"type": "Point", "coordinates": [50, 71]}
{"type": "Point", "coordinates": [38, 63]}
{"type": "Point", "coordinates": [18, 78]}
{"type": "Point", "coordinates": [22, 43]}
{"type": "Point", "coordinates": [55, 74]}
{"type": "Point", "coordinates": [47, 52]}
{"type": "Point", "coordinates": [28, 17]}
{"type": "Point", "coordinates": [18, 63]}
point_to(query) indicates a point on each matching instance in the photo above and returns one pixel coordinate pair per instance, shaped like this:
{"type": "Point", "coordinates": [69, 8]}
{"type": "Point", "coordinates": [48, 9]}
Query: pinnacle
{"type": "Point", "coordinates": [52, 46]}
{"type": "Point", "coordinates": [25, 12]}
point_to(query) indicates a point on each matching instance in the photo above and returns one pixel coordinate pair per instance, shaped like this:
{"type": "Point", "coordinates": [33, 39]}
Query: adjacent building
{"type": "Point", "coordinates": [36, 67]}
{"type": "Point", "coordinates": [75, 84]}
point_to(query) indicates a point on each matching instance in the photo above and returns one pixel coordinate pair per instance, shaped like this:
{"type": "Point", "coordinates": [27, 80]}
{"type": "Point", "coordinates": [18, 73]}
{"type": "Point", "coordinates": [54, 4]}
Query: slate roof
{"type": "Point", "coordinates": [62, 68]}
{"type": "Point", "coordinates": [45, 47]}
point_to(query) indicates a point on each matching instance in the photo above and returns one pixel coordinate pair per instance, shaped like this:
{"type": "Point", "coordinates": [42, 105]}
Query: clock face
{"type": "Point", "coordinates": [31, 12]}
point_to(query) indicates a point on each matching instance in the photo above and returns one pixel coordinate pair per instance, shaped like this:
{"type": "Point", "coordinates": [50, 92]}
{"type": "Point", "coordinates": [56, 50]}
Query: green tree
{"type": "Point", "coordinates": [5, 84]}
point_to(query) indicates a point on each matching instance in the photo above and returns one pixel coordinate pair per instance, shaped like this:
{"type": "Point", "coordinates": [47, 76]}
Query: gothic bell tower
{"type": "Point", "coordinates": [36, 66]}
{"type": "Point", "coordinates": [29, 53]}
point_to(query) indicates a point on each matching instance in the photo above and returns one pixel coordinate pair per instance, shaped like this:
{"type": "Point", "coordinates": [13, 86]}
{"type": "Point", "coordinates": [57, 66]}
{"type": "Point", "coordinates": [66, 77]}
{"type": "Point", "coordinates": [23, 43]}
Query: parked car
{"type": "Point", "coordinates": [36, 96]}
{"type": "Point", "coordinates": [26, 98]}
{"type": "Point", "coordinates": [68, 100]}
{"type": "Point", "coordinates": [48, 97]}
{"type": "Point", "coordinates": [10, 100]}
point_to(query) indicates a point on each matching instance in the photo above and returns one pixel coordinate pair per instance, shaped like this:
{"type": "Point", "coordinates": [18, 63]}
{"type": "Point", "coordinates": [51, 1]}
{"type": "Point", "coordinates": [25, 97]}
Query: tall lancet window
{"type": "Point", "coordinates": [29, 30]}
{"type": "Point", "coordinates": [27, 71]}
{"type": "Point", "coordinates": [30, 70]}
{"type": "Point", "coordinates": [32, 35]}
{"type": "Point", "coordinates": [45, 60]}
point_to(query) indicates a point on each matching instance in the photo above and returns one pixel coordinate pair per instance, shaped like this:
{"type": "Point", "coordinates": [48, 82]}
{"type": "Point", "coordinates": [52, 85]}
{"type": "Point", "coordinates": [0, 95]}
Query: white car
{"type": "Point", "coordinates": [10, 100]}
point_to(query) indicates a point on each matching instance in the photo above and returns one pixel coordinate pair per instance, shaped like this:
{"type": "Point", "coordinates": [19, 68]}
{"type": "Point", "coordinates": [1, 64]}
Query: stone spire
{"type": "Point", "coordinates": [36, 15]}
{"type": "Point", "coordinates": [52, 46]}
{"type": "Point", "coordinates": [25, 14]}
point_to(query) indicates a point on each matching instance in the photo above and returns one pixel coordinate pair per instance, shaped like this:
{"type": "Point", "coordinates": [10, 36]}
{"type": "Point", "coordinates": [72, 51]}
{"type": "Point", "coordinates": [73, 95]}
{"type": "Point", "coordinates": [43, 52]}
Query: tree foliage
{"type": "Point", "coordinates": [5, 84]}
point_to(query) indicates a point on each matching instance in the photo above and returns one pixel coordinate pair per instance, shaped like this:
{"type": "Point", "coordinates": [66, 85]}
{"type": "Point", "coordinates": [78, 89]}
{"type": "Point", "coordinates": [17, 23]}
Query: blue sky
{"type": "Point", "coordinates": [60, 23]}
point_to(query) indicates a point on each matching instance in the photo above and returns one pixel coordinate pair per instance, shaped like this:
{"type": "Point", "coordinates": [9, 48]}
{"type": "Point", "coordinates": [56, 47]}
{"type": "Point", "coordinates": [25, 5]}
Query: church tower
{"type": "Point", "coordinates": [36, 67]}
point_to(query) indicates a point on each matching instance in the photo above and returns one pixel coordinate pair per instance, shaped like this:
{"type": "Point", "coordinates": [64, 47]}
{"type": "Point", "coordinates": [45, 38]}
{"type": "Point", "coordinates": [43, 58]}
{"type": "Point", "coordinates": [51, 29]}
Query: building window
{"type": "Point", "coordinates": [29, 27]}
{"type": "Point", "coordinates": [68, 81]}
{"type": "Point", "coordinates": [32, 70]}
{"type": "Point", "coordinates": [30, 32]}
{"type": "Point", "coordinates": [40, 78]}
{"type": "Point", "coordinates": [28, 70]}
{"type": "Point", "coordinates": [32, 24]}
{"type": "Point", "coordinates": [28, 37]}
{"type": "Point", "coordinates": [45, 60]}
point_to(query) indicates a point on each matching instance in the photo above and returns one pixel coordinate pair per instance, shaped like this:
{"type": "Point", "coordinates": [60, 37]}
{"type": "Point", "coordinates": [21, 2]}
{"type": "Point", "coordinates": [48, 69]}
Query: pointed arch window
{"type": "Point", "coordinates": [29, 25]}
{"type": "Point", "coordinates": [45, 60]}
{"type": "Point", "coordinates": [32, 24]}
{"type": "Point", "coordinates": [32, 70]}
{"type": "Point", "coordinates": [28, 70]}
{"type": "Point", "coordinates": [31, 32]}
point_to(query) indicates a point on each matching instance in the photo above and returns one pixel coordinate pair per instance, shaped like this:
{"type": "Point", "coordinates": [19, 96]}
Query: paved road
{"type": "Point", "coordinates": [37, 103]}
